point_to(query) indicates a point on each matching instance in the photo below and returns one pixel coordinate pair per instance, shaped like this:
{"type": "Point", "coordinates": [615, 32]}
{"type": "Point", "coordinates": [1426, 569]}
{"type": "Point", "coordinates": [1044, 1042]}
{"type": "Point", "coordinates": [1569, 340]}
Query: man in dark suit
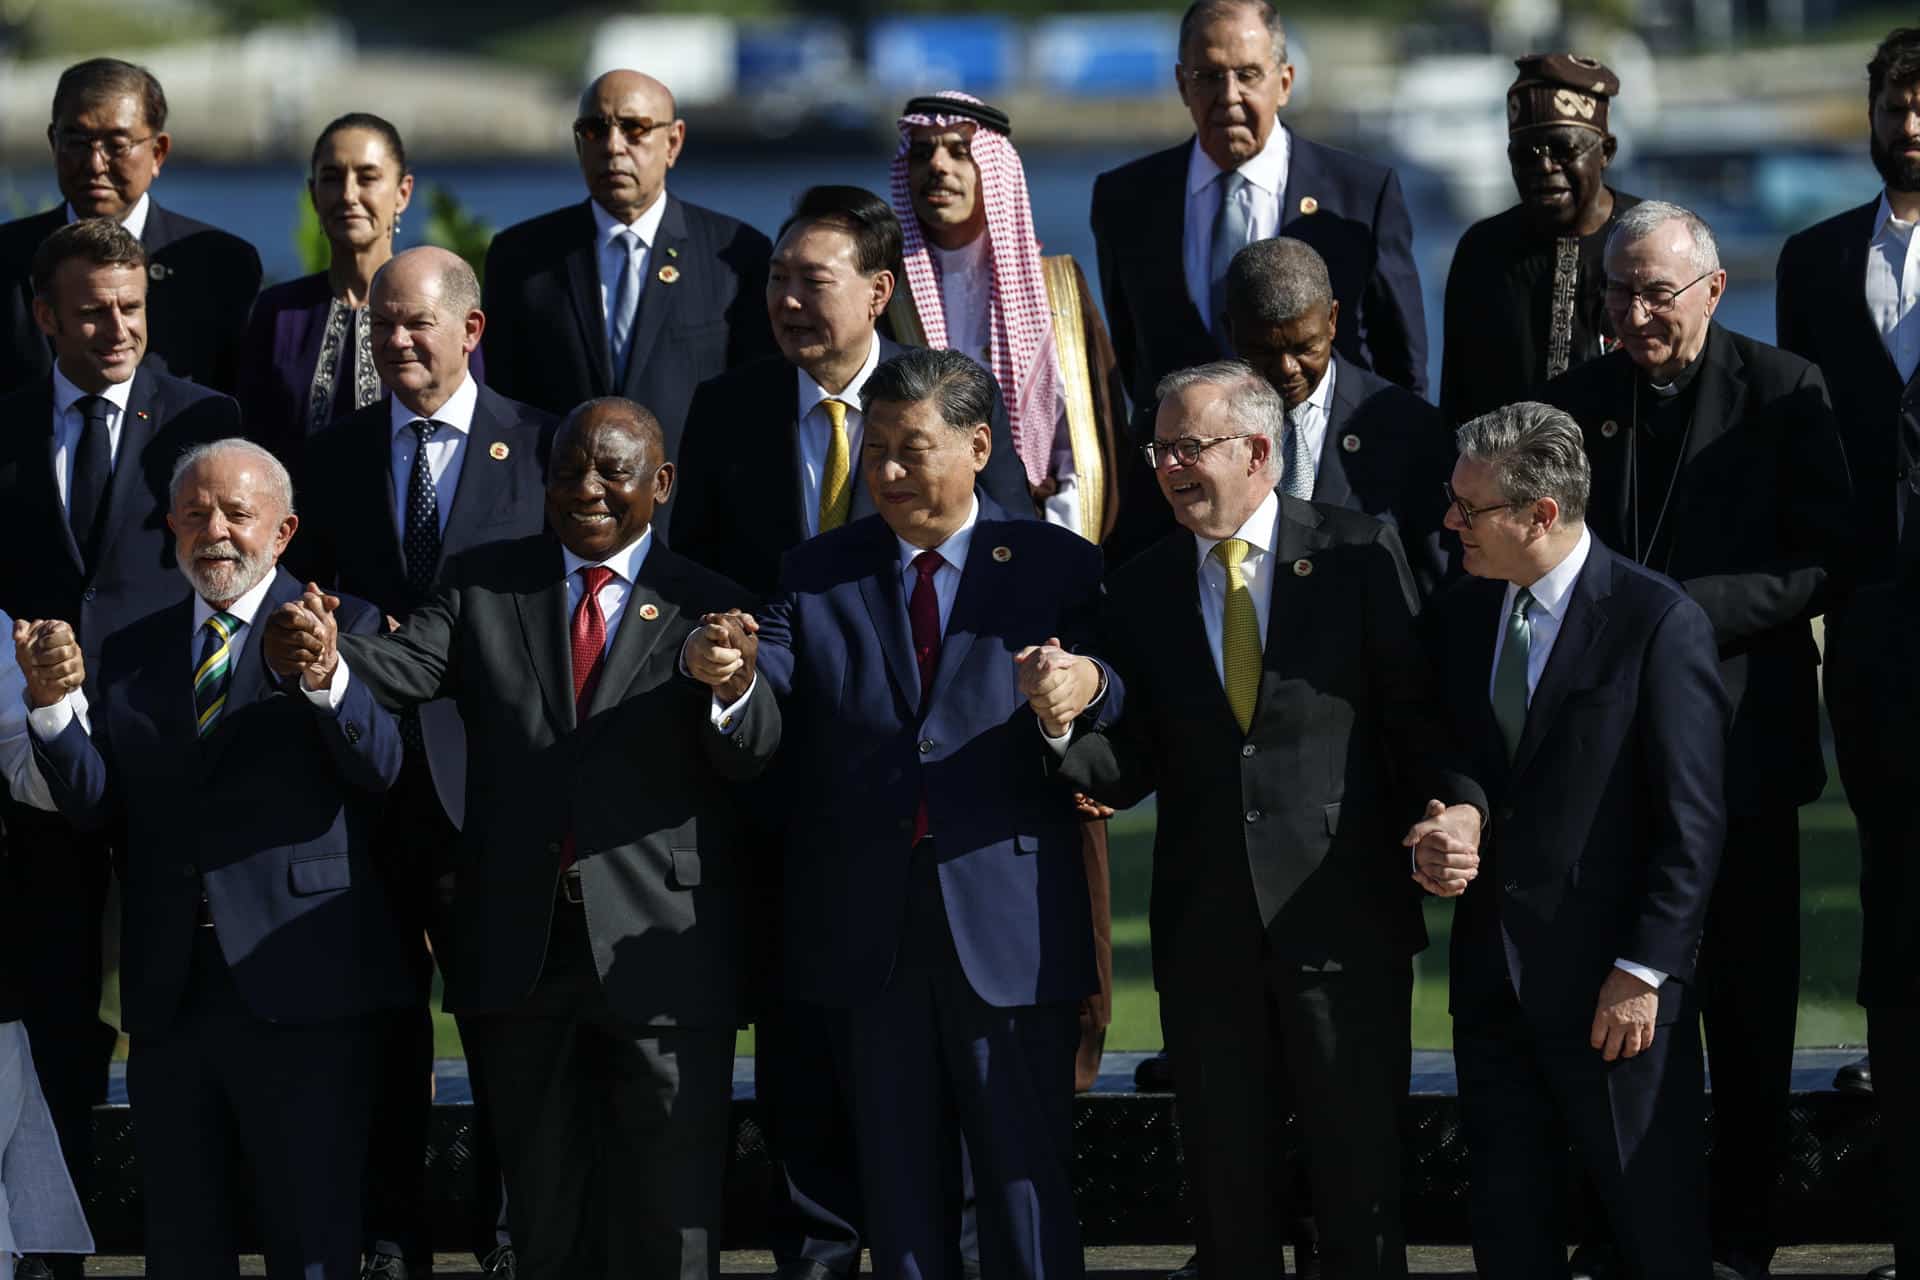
{"type": "Point", "coordinates": [1279, 704]}
{"type": "Point", "coordinates": [256, 936]}
{"type": "Point", "coordinates": [1354, 439]}
{"type": "Point", "coordinates": [1589, 691]}
{"type": "Point", "coordinates": [83, 478]}
{"type": "Point", "coordinates": [109, 141]}
{"type": "Point", "coordinates": [592, 948]}
{"type": "Point", "coordinates": [1716, 461]}
{"type": "Point", "coordinates": [935, 899]}
{"type": "Point", "coordinates": [634, 292]}
{"type": "Point", "coordinates": [438, 466]}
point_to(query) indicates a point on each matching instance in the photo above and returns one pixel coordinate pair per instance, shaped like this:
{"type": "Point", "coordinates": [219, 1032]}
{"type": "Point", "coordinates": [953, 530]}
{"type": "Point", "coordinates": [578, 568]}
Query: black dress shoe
{"type": "Point", "coordinates": [503, 1262]}
{"type": "Point", "coordinates": [1856, 1077]}
{"type": "Point", "coordinates": [32, 1269]}
{"type": "Point", "coordinates": [1192, 1270]}
{"type": "Point", "coordinates": [1589, 1263]}
{"type": "Point", "coordinates": [1155, 1075]}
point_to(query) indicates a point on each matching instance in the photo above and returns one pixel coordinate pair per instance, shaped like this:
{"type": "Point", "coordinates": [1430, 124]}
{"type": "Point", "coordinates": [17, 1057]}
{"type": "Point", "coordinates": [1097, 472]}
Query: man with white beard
{"type": "Point", "coordinates": [257, 941]}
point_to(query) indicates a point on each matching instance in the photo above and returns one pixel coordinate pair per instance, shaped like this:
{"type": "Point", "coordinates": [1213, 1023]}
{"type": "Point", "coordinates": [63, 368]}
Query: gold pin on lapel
{"type": "Point", "coordinates": [499, 451]}
{"type": "Point", "coordinates": [649, 611]}
{"type": "Point", "coordinates": [1609, 429]}
{"type": "Point", "coordinates": [1003, 554]}
{"type": "Point", "coordinates": [1350, 442]}
{"type": "Point", "coordinates": [1309, 205]}
{"type": "Point", "coordinates": [1302, 568]}
{"type": "Point", "coordinates": [669, 273]}
{"type": "Point", "coordinates": [672, 252]}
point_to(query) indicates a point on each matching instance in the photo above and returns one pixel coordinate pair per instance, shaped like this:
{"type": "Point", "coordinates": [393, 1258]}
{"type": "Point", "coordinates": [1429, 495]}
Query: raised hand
{"type": "Point", "coordinates": [49, 657]}
{"type": "Point", "coordinates": [1056, 684]}
{"type": "Point", "coordinates": [721, 654]}
{"type": "Point", "coordinates": [1446, 848]}
{"type": "Point", "coordinates": [303, 639]}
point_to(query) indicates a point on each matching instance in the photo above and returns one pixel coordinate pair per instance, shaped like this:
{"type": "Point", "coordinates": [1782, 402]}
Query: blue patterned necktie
{"type": "Point", "coordinates": [421, 537]}
{"type": "Point", "coordinates": [214, 671]}
{"type": "Point", "coordinates": [1299, 473]}
{"type": "Point", "coordinates": [1232, 229]}
{"type": "Point", "coordinates": [626, 306]}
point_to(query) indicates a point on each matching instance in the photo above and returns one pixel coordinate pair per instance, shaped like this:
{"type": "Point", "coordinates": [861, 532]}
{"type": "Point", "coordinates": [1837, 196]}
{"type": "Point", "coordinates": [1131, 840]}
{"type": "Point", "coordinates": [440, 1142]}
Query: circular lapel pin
{"type": "Point", "coordinates": [499, 451]}
{"type": "Point", "coordinates": [1350, 442]}
{"type": "Point", "coordinates": [1002, 554]}
{"type": "Point", "coordinates": [1309, 205]}
{"type": "Point", "coordinates": [158, 271]}
{"type": "Point", "coordinates": [1302, 568]}
{"type": "Point", "coordinates": [1609, 429]}
{"type": "Point", "coordinates": [649, 611]}
{"type": "Point", "coordinates": [669, 273]}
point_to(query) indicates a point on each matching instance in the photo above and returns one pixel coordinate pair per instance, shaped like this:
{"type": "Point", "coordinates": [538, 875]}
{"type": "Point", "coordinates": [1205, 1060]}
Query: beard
{"type": "Point", "coordinates": [224, 579]}
{"type": "Point", "coordinates": [1901, 171]}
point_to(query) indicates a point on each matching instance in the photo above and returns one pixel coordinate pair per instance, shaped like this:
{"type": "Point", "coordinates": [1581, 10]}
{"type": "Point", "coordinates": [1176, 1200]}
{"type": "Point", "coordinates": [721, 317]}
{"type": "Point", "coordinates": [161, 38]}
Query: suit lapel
{"type": "Point", "coordinates": [169, 677]}
{"type": "Point", "coordinates": [1303, 176]}
{"type": "Point", "coordinates": [543, 624]}
{"type": "Point", "coordinates": [861, 505]}
{"type": "Point", "coordinates": [658, 293]}
{"type": "Point", "coordinates": [483, 480]}
{"type": "Point", "coordinates": [129, 477]}
{"type": "Point", "coordinates": [377, 464]}
{"type": "Point", "coordinates": [887, 607]}
{"type": "Point", "coordinates": [1722, 398]}
{"type": "Point", "coordinates": [1296, 537]}
{"type": "Point", "coordinates": [48, 482]}
{"type": "Point", "coordinates": [583, 284]}
{"type": "Point", "coordinates": [1180, 576]}
{"type": "Point", "coordinates": [1483, 620]}
{"type": "Point", "coordinates": [1579, 631]}
{"type": "Point", "coordinates": [638, 635]}
{"type": "Point", "coordinates": [1330, 482]}
{"type": "Point", "coordinates": [1607, 454]}
{"type": "Point", "coordinates": [1165, 219]}
{"type": "Point", "coordinates": [981, 578]}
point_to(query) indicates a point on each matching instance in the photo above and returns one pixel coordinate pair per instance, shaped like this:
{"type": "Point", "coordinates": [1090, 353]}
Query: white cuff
{"type": "Point", "coordinates": [722, 717]}
{"type": "Point", "coordinates": [1652, 977]}
{"type": "Point", "coordinates": [329, 697]}
{"type": "Point", "coordinates": [50, 722]}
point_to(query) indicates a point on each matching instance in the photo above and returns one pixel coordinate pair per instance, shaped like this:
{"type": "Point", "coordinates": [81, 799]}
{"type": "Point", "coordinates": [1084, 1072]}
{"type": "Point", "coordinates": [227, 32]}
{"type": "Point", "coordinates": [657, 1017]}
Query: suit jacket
{"type": "Point", "coordinates": [1386, 453]}
{"type": "Point", "coordinates": [1609, 820]}
{"type": "Point", "coordinates": [1299, 819]}
{"type": "Point", "coordinates": [349, 540]}
{"type": "Point", "coordinates": [864, 747]}
{"type": "Point", "coordinates": [200, 287]}
{"type": "Point", "coordinates": [640, 784]}
{"type": "Point", "coordinates": [739, 505]}
{"type": "Point", "coordinates": [1760, 537]}
{"type": "Point", "coordinates": [137, 572]}
{"type": "Point", "coordinates": [546, 338]}
{"type": "Point", "coordinates": [268, 816]}
{"type": "Point", "coordinates": [1359, 224]}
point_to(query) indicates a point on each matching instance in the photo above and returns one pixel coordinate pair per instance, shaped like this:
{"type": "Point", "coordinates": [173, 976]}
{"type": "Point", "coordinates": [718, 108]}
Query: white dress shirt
{"type": "Point", "coordinates": [135, 222]}
{"type": "Point", "coordinates": [446, 449]}
{"type": "Point", "coordinates": [22, 775]}
{"type": "Point", "coordinates": [612, 255]}
{"type": "Point", "coordinates": [1310, 418]}
{"type": "Point", "coordinates": [1893, 287]}
{"type": "Point", "coordinates": [1266, 176]}
{"type": "Point", "coordinates": [1259, 532]}
{"type": "Point", "coordinates": [68, 423]}
{"type": "Point", "coordinates": [946, 579]}
{"type": "Point", "coordinates": [816, 432]}
{"type": "Point", "coordinates": [1551, 596]}
{"type": "Point", "coordinates": [625, 564]}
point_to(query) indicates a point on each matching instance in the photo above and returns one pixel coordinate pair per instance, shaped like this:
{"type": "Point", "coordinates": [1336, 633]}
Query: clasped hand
{"type": "Point", "coordinates": [722, 653]}
{"type": "Point", "coordinates": [1446, 848]}
{"type": "Point", "coordinates": [49, 657]}
{"type": "Point", "coordinates": [303, 638]}
{"type": "Point", "coordinates": [1058, 685]}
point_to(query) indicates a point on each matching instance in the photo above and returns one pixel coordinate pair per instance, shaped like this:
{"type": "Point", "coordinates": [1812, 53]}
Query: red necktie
{"type": "Point", "coordinates": [923, 611]}
{"type": "Point", "coordinates": [589, 633]}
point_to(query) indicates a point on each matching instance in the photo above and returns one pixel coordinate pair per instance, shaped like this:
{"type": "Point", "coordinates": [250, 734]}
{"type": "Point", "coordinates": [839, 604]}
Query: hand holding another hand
{"type": "Point", "coordinates": [1056, 684]}
{"type": "Point", "coordinates": [303, 639]}
{"type": "Point", "coordinates": [50, 659]}
{"type": "Point", "coordinates": [722, 653]}
{"type": "Point", "coordinates": [1446, 848]}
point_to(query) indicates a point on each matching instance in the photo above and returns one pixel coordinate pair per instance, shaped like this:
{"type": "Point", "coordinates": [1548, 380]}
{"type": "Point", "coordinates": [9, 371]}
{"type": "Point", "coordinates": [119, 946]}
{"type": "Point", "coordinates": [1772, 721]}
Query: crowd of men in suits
{"type": "Point", "coordinates": [687, 629]}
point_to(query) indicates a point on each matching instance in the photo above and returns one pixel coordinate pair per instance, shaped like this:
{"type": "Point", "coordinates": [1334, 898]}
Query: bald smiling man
{"type": "Point", "coordinates": [632, 292]}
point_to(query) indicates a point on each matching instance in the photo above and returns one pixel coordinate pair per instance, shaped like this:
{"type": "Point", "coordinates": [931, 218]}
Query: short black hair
{"type": "Point", "coordinates": [953, 383]}
{"type": "Point", "coordinates": [1896, 61]}
{"type": "Point", "coordinates": [362, 120]}
{"type": "Point", "coordinates": [877, 239]}
{"type": "Point", "coordinates": [101, 242]}
{"type": "Point", "coordinates": [630, 413]}
{"type": "Point", "coordinates": [86, 83]}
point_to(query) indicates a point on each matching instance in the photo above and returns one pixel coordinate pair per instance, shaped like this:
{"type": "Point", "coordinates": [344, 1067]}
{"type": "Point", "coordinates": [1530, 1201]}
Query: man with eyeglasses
{"type": "Point", "coordinates": [1168, 224]}
{"type": "Point", "coordinates": [1523, 294]}
{"type": "Point", "coordinates": [109, 141]}
{"type": "Point", "coordinates": [1717, 461]}
{"type": "Point", "coordinates": [1279, 704]}
{"type": "Point", "coordinates": [633, 292]}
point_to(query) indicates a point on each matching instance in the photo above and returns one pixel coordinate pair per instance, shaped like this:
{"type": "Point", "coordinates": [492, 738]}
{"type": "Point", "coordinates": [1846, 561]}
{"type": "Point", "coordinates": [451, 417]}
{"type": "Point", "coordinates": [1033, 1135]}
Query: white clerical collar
{"type": "Point", "coordinates": [1259, 531]}
{"type": "Point", "coordinates": [953, 550]}
{"type": "Point", "coordinates": [135, 222]}
{"type": "Point", "coordinates": [812, 393]}
{"type": "Point", "coordinates": [457, 412]}
{"type": "Point", "coordinates": [625, 562]}
{"type": "Point", "coordinates": [65, 393]}
{"type": "Point", "coordinates": [244, 608]}
{"type": "Point", "coordinates": [1267, 170]}
{"type": "Point", "coordinates": [646, 226]}
{"type": "Point", "coordinates": [1554, 588]}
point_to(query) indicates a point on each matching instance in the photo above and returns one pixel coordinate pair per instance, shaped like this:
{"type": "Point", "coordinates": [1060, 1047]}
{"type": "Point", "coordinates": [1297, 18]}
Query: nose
{"type": "Point", "coordinates": [1452, 519]}
{"type": "Point", "coordinates": [1167, 460]}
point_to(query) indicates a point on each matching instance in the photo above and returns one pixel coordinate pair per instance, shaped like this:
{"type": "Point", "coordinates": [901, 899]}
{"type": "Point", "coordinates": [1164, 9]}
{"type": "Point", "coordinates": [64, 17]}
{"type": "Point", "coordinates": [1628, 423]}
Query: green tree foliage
{"type": "Point", "coordinates": [452, 226]}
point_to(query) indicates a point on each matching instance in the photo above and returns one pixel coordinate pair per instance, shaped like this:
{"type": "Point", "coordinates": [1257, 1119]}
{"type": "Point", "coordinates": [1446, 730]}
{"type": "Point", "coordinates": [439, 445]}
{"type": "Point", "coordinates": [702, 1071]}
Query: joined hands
{"type": "Point", "coordinates": [1058, 685]}
{"type": "Point", "coordinates": [303, 639]}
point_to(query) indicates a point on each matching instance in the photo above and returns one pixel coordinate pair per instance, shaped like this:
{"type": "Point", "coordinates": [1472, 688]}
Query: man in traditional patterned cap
{"type": "Point", "coordinates": [1523, 296]}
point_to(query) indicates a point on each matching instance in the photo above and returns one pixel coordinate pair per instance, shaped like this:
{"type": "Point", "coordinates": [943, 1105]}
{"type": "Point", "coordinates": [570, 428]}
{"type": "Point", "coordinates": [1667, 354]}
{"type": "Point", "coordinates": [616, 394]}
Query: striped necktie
{"type": "Point", "coordinates": [214, 672]}
{"type": "Point", "coordinates": [1239, 634]}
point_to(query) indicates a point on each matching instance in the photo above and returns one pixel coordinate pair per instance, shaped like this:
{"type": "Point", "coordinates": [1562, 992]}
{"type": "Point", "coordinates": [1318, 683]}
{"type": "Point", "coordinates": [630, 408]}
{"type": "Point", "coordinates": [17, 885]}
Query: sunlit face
{"type": "Point", "coordinates": [822, 306]}
{"type": "Point", "coordinates": [97, 319]}
{"type": "Point", "coordinates": [944, 183]}
{"type": "Point", "coordinates": [1560, 187]}
{"type": "Point", "coordinates": [95, 181]}
{"type": "Point", "coordinates": [1495, 544]}
{"type": "Point", "coordinates": [420, 344]}
{"type": "Point", "coordinates": [1894, 141]}
{"type": "Point", "coordinates": [1233, 86]}
{"type": "Point", "coordinates": [1661, 342]}
{"type": "Point", "coordinates": [357, 188]}
{"type": "Point", "coordinates": [1213, 495]}
{"type": "Point", "coordinates": [1293, 356]}
{"type": "Point", "coordinates": [919, 470]}
{"type": "Point", "coordinates": [229, 525]}
{"type": "Point", "coordinates": [603, 483]}
{"type": "Point", "coordinates": [626, 167]}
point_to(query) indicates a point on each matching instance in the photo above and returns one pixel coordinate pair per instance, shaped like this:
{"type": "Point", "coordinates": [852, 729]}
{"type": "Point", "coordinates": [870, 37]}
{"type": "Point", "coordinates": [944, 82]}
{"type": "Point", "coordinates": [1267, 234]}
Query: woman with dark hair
{"type": "Point", "coordinates": [308, 355]}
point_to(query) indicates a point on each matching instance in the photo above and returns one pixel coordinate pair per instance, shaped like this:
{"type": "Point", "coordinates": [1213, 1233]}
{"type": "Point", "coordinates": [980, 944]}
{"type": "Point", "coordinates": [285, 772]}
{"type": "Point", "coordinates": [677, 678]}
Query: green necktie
{"type": "Point", "coordinates": [1510, 673]}
{"type": "Point", "coordinates": [214, 671]}
{"type": "Point", "coordinates": [1239, 635]}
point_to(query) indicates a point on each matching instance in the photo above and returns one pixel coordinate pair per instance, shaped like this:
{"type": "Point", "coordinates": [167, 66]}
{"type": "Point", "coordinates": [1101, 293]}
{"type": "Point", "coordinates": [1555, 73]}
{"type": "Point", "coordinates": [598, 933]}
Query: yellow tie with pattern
{"type": "Point", "coordinates": [836, 489]}
{"type": "Point", "coordinates": [1239, 635]}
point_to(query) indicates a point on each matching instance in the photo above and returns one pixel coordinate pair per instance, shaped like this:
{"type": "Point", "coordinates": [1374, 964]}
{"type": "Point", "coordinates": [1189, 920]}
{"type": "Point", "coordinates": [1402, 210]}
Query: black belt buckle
{"type": "Point", "coordinates": [570, 887]}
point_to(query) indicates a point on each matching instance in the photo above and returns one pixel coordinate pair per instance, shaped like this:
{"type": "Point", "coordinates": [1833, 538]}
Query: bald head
{"type": "Point", "coordinates": [615, 413]}
{"type": "Point", "coordinates": [626, 85]}
{"type": "Point", "coordinates": [627, 137]}
{"type": "Point", "coordinates": [434, 270]}
{"type": "Point", "coordinates": [425, 310]}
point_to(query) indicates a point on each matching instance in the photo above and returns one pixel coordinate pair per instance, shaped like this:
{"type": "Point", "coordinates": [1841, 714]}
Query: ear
{"type": "Point", "coordinates": [475, 326]}
{"type": "Point", "coordinates": [282, 537]}
{"type": "Point", "coordinates": [663, 482]}
{"type": "Point", "coordinates": [1608, 150]}
{"type": "Point", "coordinates": [981, 443]}
{"type": "Point", "coordinates": [1546, 514]}
{"type": "Point", "coordinates": [44, 317]}
{"type": "Point", "coordinates": [1286, 85]}
{"type": "Point", "coordinates": [161, 145]}
{"type": "Point", "coordinates": [403, 191]}
{"type": "Point", "coordinates": [1259, 453]}
{"type": "Point", "coordinates": [173, 526]}
{"type": "Point", "coordinates": [1333, 318]}
{"type": "Point", "coordinates": [676, 139]}
{"type": "Point", "coordinates": [882, 294]}
{"type": "Point", "coordinates": [1716, 289]}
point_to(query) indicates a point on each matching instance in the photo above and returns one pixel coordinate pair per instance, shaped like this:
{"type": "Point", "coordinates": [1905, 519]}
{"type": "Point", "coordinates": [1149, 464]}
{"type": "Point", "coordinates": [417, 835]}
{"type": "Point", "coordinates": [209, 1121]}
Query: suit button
{"type": "Point", "coordinates": [1247, 750]}
{"type": "Point", "coordinates": [926, 745]}
{"type": "Point", "coordinates": [740, 741]}
{"type": "Point", "coordinates": [1511, 886]}
{"type": "Point", "coordinates": [353, 732]}
{"type": "Point", "coordinates": [88, 594]}
{"type": "Point", "coordinates": [1253, 815]}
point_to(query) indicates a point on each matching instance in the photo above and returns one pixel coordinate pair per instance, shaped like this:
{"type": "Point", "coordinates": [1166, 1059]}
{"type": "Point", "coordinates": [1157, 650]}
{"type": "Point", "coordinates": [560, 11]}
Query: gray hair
{"type": "Point", "coordinates": [1277, 281]}
{"type": "Point", "coordinates": [1649, 216]}
{"type": "Point", "coordinates": [459, 287]}
{"type": "Point", "coordinates": [1201, 12]}
{"type": "Point", "coordinates": [277, 478]}
{"type": "Point", "coordinates": [1536, 451]}
{"type": "Point", "coordinates": [957, 387]}
{"type": "Point", "coordinates": [1250, 399]}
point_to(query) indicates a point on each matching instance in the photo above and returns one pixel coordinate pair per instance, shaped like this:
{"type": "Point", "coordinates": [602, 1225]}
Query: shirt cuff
{"type": "Point", "coordinates": [1059, 745]}
{"type": "Point", "coordinates": [50, 722]}
{"type": "Point", "coordinates": [329, 697]}
{"type": "Point", "coordinates": [722, 717]}
{"type": "Point", "coordinates": [1652, 977]}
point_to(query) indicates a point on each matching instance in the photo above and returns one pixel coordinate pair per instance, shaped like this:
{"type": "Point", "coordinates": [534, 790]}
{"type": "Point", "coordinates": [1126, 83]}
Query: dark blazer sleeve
{"type": "Point", "coordinates": [742, 750]}
{"type": "Point", "coordinates": [1792, 315]}
{"type": "Point", "coordinates": [415, 664]}
{"type": "Point", "coordinates": [1112, 288]}
{"type": "Point", "coordinates": [503, 340]}
{"type": "Point", "coordinates": [1113, 758]}
{"type": "Point", "coordinates": [1004, 478]}
{"type": "Point", "coordinates": [76, 774]}
{"type": "Point", "coordinates": [1393, 323]}
{"type": "Point", "coordinates": [362, 737]}
{"type": "Point", "coordinates": [699, 512]}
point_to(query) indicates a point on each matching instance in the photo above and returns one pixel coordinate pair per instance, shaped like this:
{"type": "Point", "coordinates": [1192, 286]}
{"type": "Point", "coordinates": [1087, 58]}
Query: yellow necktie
{"type": "Point", "coordinates": [1239, 635]}
{"type": "Point", "coordinates": [836, 491]}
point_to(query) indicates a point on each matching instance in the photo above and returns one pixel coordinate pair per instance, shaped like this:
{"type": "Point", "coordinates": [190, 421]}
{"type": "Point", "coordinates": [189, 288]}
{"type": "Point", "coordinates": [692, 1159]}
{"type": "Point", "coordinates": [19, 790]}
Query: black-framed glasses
{"type": "Point", "coordinates": [1658, 300]}
{"type": "Point", "coordinates": [1467, 513]}
{"type": "Point", "coordinates": [1213, 80]}
{"type": "Point", "coordinates": [635, 129]}
{"type": "Point", "coordinates": [1186, 448]}
{"type": "Point", "coordinates": [114, 146]}
{"type": "Point", "coordinates": [1559, 153]}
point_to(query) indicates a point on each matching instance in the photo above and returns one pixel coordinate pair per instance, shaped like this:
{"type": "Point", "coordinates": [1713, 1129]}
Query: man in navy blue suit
{"type": "Point", "coordinates": [1587, 690]}
{"type": "Point", "coordinates": [935, 897]}
{"type": "Point", "coordinates": [256, 936]}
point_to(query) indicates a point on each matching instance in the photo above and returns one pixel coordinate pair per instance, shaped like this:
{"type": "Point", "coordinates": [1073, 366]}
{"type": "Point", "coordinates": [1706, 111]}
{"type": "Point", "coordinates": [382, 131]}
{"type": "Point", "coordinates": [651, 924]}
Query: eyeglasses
{"type": "Point", "coordinates": [1213, 80]}
{"type": "Point", "coordinates": [1186, 448]}
{"type": "Point", "coordinates": [597, 129]}
{"type": "Point", "coordinates": [1658, 300]}
{"type": "Point", "coordinates": [1558, 153]}
{"type": "Point", "coordinates": [1467, 513]}
{"type": "Point", "coordinates": [79, 146]}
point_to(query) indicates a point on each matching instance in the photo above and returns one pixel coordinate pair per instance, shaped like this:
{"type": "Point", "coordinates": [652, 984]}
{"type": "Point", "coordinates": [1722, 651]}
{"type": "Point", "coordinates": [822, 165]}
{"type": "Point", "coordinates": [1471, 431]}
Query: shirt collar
{"type": "Point", "coordinates": [1554, 590]}
{"type": "Point", "coordinates": [65, 393]}
{"type": "Point", "coordinates": [1259, 531]}
{"type": "Point", "coordinates": [457, 412]}
{"type": "Point", "coordinates": [135, 222]}
{"type": "Point", "coordinates": [625, 562]}
{"type": "Point", "coordinates": [244, 608]}
{"type": "Point", "coordinates": [1323, 394]}
{"type": "Point", "coordinates": [1267, 170]}
{"type": "Point", "coordinates": [953, 550]}
{"type": "Point", "coordinates": [1883, 215]}
{"type": "Point", "coordinates": [646, 226]}
{"type": "Point", "coordinates": [812, 393]}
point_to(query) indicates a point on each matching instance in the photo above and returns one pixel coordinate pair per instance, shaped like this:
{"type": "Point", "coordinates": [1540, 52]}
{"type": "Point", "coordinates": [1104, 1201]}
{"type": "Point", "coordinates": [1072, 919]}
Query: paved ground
{"type": "Point", "coordinates": [1135, 1264]}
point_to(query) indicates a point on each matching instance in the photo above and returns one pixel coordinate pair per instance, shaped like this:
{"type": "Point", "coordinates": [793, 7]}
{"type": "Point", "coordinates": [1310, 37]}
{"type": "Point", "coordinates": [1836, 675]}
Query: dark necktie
{"type": "Point", "coordinates": [421, 538]}
{"type": "Point", "coordinates": [589, 640]}
{"type": "Point", "coordinates": [923, 611]}
{"type": "Point", "coordinates": [90, 468]}
{"type": "Point", "coordinates": [1510, 693]}
{"type": "Point", "coordinates": [213, 672]}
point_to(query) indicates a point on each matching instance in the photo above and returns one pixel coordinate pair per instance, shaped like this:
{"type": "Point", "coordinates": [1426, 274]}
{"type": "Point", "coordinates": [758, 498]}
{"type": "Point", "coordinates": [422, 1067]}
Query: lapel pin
{"type": "Point", "coordinates": [669, 273]}
{"type": "Point", "coordinates": [141, 414]}
{"type": "Point", "coordinates": [499, 451]}
{"type": "Point", "coordinates": [1309, 205]}
{"type": "Point", "coordinates": [158, 270]}
{"type": "Point", "coordinates": [672, 252]}
{"type": "Point", "coordinates": [1302, 568]}
{"type": "Point", "coordinates": [1350, 442]}
{"type": "Point", "coordinates": [1002, 554]}
{"type": "Point", "coordinates": [1609, 429]}
{"type": "Point", "coordinates": [649, 611]}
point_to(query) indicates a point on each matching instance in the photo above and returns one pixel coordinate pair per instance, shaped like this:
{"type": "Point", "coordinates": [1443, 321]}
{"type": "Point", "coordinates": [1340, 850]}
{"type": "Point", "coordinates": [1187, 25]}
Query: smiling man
{"type": "Point", "coordinates": [1523, 301]}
